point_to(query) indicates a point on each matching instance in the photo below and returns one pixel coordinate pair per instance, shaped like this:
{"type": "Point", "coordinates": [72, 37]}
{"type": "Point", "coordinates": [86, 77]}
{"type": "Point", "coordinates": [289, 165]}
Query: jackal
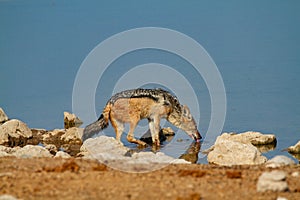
{"type": "Point", "coordinates": [130, 106]}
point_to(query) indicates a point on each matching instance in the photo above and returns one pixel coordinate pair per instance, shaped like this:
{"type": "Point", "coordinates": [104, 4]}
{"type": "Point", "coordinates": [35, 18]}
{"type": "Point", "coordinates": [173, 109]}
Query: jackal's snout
{"type": "Point", "coordinates": [197, 136]}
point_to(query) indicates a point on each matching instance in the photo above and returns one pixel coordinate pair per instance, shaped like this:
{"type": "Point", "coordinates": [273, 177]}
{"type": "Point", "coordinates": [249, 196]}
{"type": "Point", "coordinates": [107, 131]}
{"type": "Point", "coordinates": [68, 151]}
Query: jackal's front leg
{"type": "Point", "coordinates": [154, 125]}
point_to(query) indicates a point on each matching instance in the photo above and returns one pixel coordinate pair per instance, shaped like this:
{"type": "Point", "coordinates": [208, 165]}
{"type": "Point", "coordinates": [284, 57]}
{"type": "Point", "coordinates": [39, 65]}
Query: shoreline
{"type": "Point", "coordinates": [59, 178]}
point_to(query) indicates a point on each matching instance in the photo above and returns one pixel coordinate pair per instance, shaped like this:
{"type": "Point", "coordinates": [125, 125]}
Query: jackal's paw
{"type": "Point", "coordinates": [155, 148]}
{"type": "Point", "coordinates": [120, 143]}
{"type": "Point", "coordinates": [142, 144]}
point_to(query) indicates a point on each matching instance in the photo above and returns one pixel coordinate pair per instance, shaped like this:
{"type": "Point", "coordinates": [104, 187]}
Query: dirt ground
{"type": "Point", "coordinates": [49, 178]}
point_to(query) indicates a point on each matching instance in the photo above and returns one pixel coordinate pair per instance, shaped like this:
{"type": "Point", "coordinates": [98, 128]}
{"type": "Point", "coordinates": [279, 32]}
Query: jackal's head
{"type": "Point", "coordinates": [185, 121]}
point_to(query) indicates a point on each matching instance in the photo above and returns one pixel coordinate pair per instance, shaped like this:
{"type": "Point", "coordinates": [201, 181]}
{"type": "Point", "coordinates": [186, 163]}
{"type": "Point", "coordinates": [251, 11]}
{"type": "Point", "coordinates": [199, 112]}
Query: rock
{"type": "Point", "coordinates": [7, 197]}
{"type": "Point", "coordinates": [294, 149]}
{"type": "Point", "coordinates": [238, 149]}
{"type": "Point", "coordinates": [257, 138]}
{"type": "Point", "coordinates": [295, 174]}
{"type": "Point", "coordinates": [231, 150]}
{"type": "Point", "coordinates": [71, 120]}
{"type": "Point", "coordinates": [168, 131]}
{"type": "Point", "coordinates": [37, 136]}
{"type": "Point", "coordinates": [266, 147]}
{"type": "Point", "coordinates": [107, 150]}
{"type": "Point", "coordinates": [85, 155]}
{"type": "Point", "coordinates": [7, 151]}
{"type": "Point", "coordinates": [51, 148]}
{"type": "Point", "coordinates": [297, 156]}
{"type": "Point", "coordinates": [4, 154]}
{"type": "Point", "coordinates": [159, 157]}
{"type": "Point", "coordinates": [61, 154]}
{"type": "Point", "coordinates": [83, 148]}
{"type": "Point", "coordinates": [279, 161]}
{"type": "Point", "coordinates": [272, 181]}
{"type": "Point", "coordinates": [53, 137]}
{"type": "Point", "coordinates": [164, 134]}
{"type": "Point", "coordinates": [72, 135]}
{"type": "Point", "coordinates": [3, 116]}
{"type": "Point", "coordinates": [281, 198]}
{"type": "Point", "coordinates": [148, 139]}
{"type": "Point", "coordinates": [14, 133]}
{"type": "Point", "coordinates": [71, 140]}
{"type": "Point", "coordinates": [30, 151]}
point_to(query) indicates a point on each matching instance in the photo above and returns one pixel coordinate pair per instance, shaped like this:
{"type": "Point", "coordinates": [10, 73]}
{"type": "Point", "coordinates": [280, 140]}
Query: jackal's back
{"type": "Point", "coordinates": [158, 95]}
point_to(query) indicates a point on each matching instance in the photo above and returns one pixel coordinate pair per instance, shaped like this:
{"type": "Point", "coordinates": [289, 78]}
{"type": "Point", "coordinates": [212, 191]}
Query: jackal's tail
{"type": "Point", "coordinates": [98, 125]}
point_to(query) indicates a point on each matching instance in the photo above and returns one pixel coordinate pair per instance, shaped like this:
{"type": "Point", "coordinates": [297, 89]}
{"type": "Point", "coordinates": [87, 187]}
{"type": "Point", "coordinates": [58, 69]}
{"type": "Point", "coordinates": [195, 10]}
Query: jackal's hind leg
{"type": "Point", "coordinates": [130, 135]}
{"type": "Point", "coordinates": [119, 128]}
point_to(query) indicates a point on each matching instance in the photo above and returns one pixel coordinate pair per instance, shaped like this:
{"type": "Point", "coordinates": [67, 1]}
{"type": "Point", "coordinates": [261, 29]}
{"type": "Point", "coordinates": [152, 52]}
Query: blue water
{"type": "Point", "coordinates": [255, 46]}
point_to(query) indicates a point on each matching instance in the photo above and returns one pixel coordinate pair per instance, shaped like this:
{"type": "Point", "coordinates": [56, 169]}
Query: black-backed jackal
{"type": "Point", "coordinates": [131, 106]}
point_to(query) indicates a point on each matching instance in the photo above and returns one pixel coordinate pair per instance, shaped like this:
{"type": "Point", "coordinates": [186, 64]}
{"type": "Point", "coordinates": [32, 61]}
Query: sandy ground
{"type": "Point", "coordinates": [49, 178]}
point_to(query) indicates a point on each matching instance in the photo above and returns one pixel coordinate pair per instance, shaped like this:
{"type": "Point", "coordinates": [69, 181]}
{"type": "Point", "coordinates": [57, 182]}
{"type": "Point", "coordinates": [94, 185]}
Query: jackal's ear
{"type": "Point", "coordinates": [186, 112]}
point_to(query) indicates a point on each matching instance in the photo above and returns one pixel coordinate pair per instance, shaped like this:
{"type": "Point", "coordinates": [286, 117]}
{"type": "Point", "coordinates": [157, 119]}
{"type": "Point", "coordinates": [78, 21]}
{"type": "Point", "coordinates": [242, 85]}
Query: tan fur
{"type": "Point", "coordinates": [132, 111]}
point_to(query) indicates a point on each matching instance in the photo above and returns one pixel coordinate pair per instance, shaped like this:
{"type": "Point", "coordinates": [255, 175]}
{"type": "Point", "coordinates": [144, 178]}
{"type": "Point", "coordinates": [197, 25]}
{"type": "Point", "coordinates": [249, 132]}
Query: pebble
{"type": "Point", "coordinates": [7, 197]}
{"type": "Point", "coordinates": [272, 181]}
{"type": "Point", "coordinates": [281, 198]}
{"type": "Point", "coordinates": [51, 148]}
{"type": "Point", "coordinates": [279, 161]}
{"type": "Point", "coordinates": [295, 174]}
{"type": "Point", "coordinates": [61, 154]}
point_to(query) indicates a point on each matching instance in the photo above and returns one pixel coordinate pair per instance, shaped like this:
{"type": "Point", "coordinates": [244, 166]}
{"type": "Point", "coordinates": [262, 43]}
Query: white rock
{"type": "Point", "coordinates": [83, 147]}
{"type": "Point", "coordinates": [7, 151]}
{"type": "Point", "coordinates": [159, 157]}
{"type": "Point", "coordinates": [14, 132]}
{"type": "Point", "coordinates": [7, 197]}
{"type": "Point", "coordinates": [61, 154]}
{"type": "Point", "coordinates": [281, 198]}
{"type": "Point", "coordinates": [30, 151]}
{"type": "Point", "coordinates": [294, 149]}
{"type": "Point", "coordinates": [255, 138]}
{"type": "Point", "coordinates": [3, 116]}
{"type": "Point", "coordinates": [295, 174]}
{"type": "Point", "coordinates": [279, 161]}
{"type": "Point", "coordinates": [272, 181]}
{"type": "Point", "coordinates": [4, 154]}
{"type": "Point", "coordinates": [229, 150]}
{"type": "Point", "coordinates": [107, 150]}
